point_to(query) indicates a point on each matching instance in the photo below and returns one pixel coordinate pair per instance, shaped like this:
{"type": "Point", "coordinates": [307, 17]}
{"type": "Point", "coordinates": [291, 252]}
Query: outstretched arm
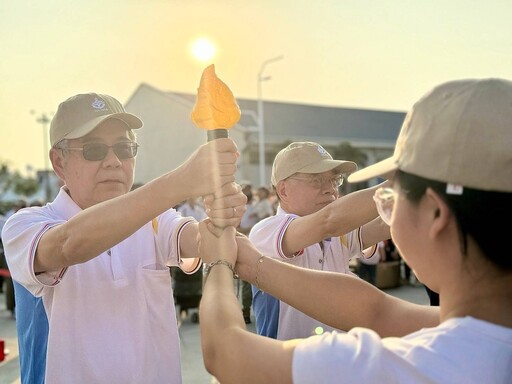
{"type": "Point", "coordinates": [339, 217]}
{"type": "Point", "coordinates": [339, 300]}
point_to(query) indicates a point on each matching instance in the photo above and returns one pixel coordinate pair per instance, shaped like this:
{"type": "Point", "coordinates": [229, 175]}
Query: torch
{"type": "Point", "coordinates": [216, 109]}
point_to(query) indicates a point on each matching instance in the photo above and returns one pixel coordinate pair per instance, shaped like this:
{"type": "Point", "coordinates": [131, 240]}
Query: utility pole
{"type": "Point", "coordinates": [43, 119]}
{"type": "Point", "coordinates": [261, 124]}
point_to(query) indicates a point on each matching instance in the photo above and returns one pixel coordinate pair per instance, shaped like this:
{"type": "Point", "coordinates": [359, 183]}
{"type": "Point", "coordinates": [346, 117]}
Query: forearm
{"type": "Point", "coordinates": [321, 295]}
{"type": "Point", "coordinates": [337, 218]}
{"type": "Point", "coordinates": [375, 231]}
{"type": "Point", "coordinates": [220, 315]}
{"type": "Point", "coordinates": [350, 211]}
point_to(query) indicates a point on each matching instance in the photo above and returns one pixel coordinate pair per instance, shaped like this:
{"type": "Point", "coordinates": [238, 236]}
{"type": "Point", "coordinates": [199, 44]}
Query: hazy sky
{"type": "Point", "coordinates": [349, 53]}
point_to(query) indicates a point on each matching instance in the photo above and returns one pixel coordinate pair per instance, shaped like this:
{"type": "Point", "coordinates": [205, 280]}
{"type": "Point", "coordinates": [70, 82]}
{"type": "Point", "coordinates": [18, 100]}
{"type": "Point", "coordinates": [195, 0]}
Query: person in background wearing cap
{"type": "Point", "coordinates": [451, 178]}
{"type": "Point", "coordinates": [313, 229]}
{"type": "Point", "coordinates": [98, 255]}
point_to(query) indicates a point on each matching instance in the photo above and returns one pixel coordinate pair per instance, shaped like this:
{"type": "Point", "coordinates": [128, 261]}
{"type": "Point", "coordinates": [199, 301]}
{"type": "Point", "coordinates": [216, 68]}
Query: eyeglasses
{"type": "Point", "coordinates": [385, 200]}
{"type": "Point", "coordinates": [98, 151]}
{"type": "Point", "coordinates": [317, 181]}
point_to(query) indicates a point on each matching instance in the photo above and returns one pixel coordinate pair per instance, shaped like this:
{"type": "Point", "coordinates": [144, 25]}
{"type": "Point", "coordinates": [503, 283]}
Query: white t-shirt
{"type": "Point", "coordinates": [460, 350]}
{"type": "Point", "coordinates": [267, 236]}
{"type": "Point", "coordinates": [111, 319]}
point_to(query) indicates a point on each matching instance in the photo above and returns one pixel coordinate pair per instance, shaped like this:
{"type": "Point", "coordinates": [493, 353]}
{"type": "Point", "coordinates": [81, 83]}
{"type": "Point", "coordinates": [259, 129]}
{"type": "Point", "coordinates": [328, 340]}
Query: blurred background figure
{"type": "Point", "coordinates": [263, 207]}
{"type": "Point", "coordinates": [248, 220]}
{"type": "Point", "coordinates": [192, 207]}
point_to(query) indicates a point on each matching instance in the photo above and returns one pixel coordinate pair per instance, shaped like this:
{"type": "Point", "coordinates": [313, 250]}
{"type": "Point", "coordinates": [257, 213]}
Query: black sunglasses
{"type": "Point", "coordinates": [98, 151]}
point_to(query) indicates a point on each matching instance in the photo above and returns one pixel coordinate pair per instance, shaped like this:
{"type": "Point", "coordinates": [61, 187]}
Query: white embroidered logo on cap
{"type": "Point", "coordinates": [98, 103]}
{"type": "Point", "coordinates": [322, 151]}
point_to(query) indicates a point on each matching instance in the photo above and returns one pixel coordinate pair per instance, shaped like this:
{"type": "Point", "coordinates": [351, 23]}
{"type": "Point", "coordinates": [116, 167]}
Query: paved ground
{"type": "Point", "coordinates": [192, 363]}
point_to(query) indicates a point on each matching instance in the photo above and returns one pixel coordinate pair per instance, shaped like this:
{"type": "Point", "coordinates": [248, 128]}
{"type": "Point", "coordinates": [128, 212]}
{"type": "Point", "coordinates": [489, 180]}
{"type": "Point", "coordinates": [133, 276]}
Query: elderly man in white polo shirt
{"type": "Point", "coordinates": [98, 255]}
{"type": "Point", "coordinates": [309, 231]}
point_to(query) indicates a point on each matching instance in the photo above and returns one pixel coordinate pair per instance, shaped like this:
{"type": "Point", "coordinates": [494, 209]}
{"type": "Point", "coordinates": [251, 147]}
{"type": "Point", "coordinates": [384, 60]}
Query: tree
{"type": "Point", "coordinates": [25, 186]}
{"type": "Point", "coordinates": [15, 182]}
{"type": "Point", "coordinates": [345, 151]}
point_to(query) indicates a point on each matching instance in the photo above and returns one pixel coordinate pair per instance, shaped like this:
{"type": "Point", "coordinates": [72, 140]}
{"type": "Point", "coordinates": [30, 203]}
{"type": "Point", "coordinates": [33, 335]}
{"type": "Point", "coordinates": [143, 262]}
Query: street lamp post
{"type": "Point", "coordinates": [261, 125]}
{"type": "Point", "coordinates": [43, 119]}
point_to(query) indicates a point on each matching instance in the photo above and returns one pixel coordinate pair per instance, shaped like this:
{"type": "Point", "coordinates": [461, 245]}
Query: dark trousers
{"type": "Point", "coordinates": [9, 295]}
{"type": "Point", "coordinates": [246, 298]}
{"type": "Point", "coordinates": [367, 272]}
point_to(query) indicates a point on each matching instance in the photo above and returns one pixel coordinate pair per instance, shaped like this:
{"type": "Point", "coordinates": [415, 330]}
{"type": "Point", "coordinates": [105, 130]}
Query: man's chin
{"type": "Point", "coordinates": [113, 191]}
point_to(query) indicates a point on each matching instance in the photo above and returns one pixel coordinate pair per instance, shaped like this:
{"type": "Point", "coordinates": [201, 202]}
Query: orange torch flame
{"type": "Point", "coordinates": [216, 109]}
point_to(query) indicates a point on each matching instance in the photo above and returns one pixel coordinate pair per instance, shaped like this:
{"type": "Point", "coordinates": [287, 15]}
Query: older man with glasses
{"type": "Point", "coordinates": [311, 231]}
{"type": "Point", "coordinates": [98, 255]}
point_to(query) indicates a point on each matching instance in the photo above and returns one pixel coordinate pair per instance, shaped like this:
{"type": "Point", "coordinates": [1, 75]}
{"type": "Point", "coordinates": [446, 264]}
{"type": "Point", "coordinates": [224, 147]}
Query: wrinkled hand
{"type": "Point", "coordinates": [216, 243]}
{"type": "Point", "coordinates": [210, 167]}
{"type": "Point", "coordinates": [226, 206]}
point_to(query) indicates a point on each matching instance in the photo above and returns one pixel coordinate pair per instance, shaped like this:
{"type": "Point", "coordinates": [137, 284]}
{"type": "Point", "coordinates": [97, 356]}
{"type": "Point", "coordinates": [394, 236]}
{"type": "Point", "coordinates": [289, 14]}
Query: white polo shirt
{"type": "Point", "coordinates": [111, 319]}
{"type": "Point", "coordinates": [267, 236]}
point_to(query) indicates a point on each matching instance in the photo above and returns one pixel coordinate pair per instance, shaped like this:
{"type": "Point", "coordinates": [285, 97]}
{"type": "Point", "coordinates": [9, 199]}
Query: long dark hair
{"type": "Point", "coordinates": [477, 212]}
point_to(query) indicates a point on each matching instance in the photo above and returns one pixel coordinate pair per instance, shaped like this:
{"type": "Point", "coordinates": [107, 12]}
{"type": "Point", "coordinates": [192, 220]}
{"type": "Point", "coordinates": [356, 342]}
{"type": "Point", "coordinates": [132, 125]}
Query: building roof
{"type": "Point", "coordinates": [293, 122]}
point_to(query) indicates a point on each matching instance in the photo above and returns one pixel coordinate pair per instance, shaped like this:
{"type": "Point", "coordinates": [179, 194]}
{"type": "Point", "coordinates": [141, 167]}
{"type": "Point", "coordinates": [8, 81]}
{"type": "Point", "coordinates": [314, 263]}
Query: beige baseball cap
{"type": "Point", "coordinates": [459, 133]}
{"type": "Point", "coordinates": [80, 114]}
{"type": "Point", "coordinates": [306, 157]}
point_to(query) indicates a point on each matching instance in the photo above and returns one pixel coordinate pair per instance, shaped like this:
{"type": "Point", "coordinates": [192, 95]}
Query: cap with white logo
{"type": "Point", "coordinates": [80, 114]}
{"type": "Point", "coordinates": [306, 157]}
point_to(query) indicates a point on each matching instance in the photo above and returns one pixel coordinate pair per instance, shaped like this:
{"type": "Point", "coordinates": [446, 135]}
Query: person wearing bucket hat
{"type": "Point", "coordinates": [451, 177]}
{"type": "Point", "coordinates": [98, 254]}
{"type": "Point", "coordinates": [311, 229]}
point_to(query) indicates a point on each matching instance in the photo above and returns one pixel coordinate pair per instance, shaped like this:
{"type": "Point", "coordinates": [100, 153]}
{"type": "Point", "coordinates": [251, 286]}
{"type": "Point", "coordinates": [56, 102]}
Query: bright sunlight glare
{"type": "Point", "coordinates": [203, 49]}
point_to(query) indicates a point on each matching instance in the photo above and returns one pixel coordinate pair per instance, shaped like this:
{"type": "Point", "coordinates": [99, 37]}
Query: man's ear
{"type": "Point", "coordinates": [281, 191]}
{"type": "Point", "coordinates": [57, 159]}
{"type": "Point", "coordinates": [439, 211]}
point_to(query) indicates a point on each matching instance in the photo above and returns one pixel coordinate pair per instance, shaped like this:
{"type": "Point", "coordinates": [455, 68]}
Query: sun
{"type": "Point", "coordinates": [202, 49]}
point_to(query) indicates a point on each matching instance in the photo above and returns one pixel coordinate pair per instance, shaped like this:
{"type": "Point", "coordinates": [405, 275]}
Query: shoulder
{"type": "Point", "coordinates": [31, 216]}
{"type": "Point", "coordinates": [272, 223]}
{"type": "Point", "coordinates": [315, 354]}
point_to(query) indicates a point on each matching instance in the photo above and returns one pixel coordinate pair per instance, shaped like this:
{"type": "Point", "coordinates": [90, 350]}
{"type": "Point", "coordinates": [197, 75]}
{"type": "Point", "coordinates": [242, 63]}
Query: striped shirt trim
{"type": "Point", "coordinates": [197, 261]}
{"type": "Point", "coordinates": [57, 277]}
{"type": "Point", "coordinates": [360, 242]}
{"type": "Point", "coordinates": [280, 237]}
